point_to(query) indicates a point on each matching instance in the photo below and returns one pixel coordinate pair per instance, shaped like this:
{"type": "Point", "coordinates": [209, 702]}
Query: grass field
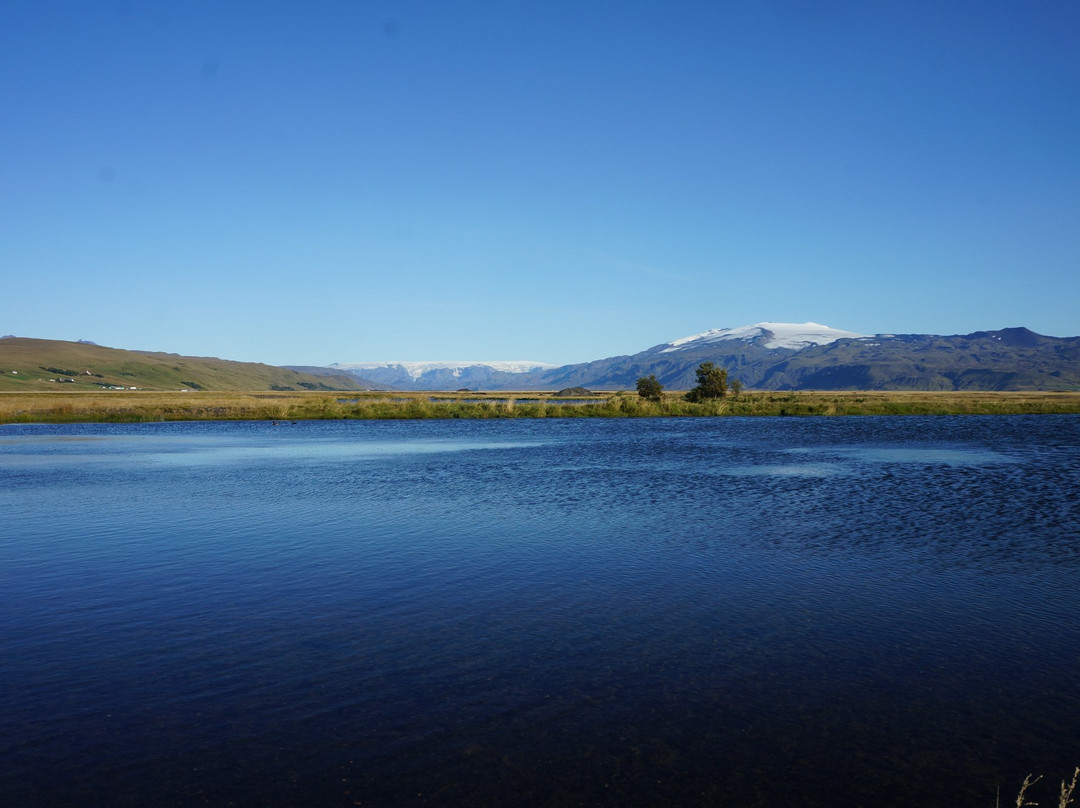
{"type": "Point", "coordinates": [138, 406]}
{"type": "Point", "coordinates": [39, 365]}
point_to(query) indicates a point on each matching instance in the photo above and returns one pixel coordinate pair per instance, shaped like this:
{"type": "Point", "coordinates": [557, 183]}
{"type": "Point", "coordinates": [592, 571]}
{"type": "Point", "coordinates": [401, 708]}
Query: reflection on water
{"type": "Point", "coordinates": [837, 612]}
{"type": "Point", "coordinates": [787, 470]}
{"type": "Point", "coordinates": [913, 454]}
{"type": "Point", "coordinates": [191, 450]}
{"type": "Point", "coordinates": [319, 451]}
{"type": "Point", "coordinates": [827, 461]}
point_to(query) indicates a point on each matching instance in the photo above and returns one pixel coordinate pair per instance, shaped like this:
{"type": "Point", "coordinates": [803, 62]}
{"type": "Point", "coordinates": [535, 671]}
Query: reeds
{"type": "Point", "coordinates": [1065, 796]}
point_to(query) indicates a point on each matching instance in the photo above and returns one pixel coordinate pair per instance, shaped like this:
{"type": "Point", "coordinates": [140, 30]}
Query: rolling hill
{"type": "Point", "coordinates": [41, 364]}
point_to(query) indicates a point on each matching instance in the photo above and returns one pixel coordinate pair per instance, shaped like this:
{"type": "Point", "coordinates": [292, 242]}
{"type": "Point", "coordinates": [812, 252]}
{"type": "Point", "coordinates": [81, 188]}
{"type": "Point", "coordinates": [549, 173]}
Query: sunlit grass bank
{"type": "Point", "coordinates": [126, 406]}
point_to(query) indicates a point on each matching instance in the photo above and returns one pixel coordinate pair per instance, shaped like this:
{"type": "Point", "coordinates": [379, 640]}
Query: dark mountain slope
{"type": "Point", "coordinates": [1008, 359]}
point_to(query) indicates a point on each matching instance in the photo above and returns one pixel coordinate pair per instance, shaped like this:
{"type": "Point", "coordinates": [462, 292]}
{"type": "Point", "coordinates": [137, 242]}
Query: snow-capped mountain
{"type": "Point", "coordinates": [778, 356]}
{"type": "Point", "coordinates": [443, 375]}
{"type": "Point", "coordinates": [418, 369]}
{"type": "Point", "coordinates": [790, 336]}
{"type": "Point", "coordinates": [787, 336]}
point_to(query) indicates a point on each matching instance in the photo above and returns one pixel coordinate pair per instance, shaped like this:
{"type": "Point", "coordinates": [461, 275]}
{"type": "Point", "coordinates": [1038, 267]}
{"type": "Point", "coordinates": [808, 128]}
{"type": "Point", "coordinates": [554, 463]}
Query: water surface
{"type": "Point", "coordinates": [832, 612]}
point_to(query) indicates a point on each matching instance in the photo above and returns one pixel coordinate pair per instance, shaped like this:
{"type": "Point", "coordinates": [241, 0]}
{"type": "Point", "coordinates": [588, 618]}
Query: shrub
{"type": "Point", "coordinates": [648, 387]}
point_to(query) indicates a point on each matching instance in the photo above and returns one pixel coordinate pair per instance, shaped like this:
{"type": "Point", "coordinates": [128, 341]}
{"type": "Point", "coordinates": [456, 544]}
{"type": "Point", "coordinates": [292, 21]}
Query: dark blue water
{"type": "Point", "coordinates": [743, 612]}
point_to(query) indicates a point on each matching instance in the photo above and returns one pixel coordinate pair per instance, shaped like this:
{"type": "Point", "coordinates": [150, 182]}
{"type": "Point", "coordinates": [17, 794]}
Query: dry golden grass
{"type": "Point", "coordinates": [1065, 796]}
{"type": "Point", "coordinates": [134, 406]}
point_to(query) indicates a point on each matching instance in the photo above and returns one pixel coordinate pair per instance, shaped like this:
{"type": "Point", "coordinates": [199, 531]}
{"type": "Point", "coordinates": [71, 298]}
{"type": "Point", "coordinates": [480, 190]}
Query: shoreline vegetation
{"type": "Point", "coordinates": [148, 406]}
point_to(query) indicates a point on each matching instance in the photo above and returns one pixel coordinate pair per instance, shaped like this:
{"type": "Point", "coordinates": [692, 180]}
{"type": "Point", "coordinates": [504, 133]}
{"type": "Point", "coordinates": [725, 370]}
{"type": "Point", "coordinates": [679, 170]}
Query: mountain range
{"type": "Point", "coordinates": [775, 356]}
{"type": "Point", "coordinates": [764, 356]}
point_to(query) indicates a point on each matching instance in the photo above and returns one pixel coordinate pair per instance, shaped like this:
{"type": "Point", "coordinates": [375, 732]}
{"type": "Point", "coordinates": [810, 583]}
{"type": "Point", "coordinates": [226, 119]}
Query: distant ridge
{"type": "Point", "coordinates": [417, 369]}
{"type": "Point", "coordinates": [441, 375]}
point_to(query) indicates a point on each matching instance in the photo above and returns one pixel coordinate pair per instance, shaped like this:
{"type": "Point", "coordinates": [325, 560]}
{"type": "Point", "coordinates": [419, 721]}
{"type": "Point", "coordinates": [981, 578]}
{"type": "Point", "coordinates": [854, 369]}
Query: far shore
{"type": "Point", "coordinates": [150, 406]}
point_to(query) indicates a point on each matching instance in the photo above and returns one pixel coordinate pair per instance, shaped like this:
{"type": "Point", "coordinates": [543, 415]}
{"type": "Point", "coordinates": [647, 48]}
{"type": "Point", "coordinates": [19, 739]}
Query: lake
{"type": "Point", "coordinates": [732, 611]}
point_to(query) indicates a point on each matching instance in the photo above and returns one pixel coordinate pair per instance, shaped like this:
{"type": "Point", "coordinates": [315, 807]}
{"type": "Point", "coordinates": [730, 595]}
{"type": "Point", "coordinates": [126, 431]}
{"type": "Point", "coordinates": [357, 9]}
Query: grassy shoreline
{"type": "Point", "coordinates": [140, 406]}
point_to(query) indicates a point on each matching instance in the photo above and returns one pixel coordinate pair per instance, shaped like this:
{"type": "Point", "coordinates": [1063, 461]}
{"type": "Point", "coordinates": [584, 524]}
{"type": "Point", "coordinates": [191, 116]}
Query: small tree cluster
{"type": "Point", "coordinates": [712, 383]}
{"type": "Point", "coordinates": [648, 387]}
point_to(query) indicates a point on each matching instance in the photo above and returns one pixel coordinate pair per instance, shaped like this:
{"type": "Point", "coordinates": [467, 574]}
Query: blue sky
{"type": "Point", "coordinates": [307, 183]}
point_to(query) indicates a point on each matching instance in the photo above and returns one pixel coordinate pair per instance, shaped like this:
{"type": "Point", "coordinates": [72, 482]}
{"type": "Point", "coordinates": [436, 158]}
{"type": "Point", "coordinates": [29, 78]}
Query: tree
{"type": "Point", "coordinates": [736, 387]}
{"type": "Point", "coordinates": [712, 383]}
{"type": "Point", "coordinates": [648, 387]}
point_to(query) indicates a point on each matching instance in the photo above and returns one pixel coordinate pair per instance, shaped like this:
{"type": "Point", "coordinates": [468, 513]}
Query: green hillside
{"type": "Point", "coordinates": [42, 364]}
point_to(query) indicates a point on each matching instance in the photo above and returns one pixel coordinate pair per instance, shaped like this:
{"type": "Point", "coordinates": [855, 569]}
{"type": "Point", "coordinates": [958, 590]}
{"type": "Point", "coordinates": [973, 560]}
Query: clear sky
{"type": "Point", "coordinates": [316, 182]}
